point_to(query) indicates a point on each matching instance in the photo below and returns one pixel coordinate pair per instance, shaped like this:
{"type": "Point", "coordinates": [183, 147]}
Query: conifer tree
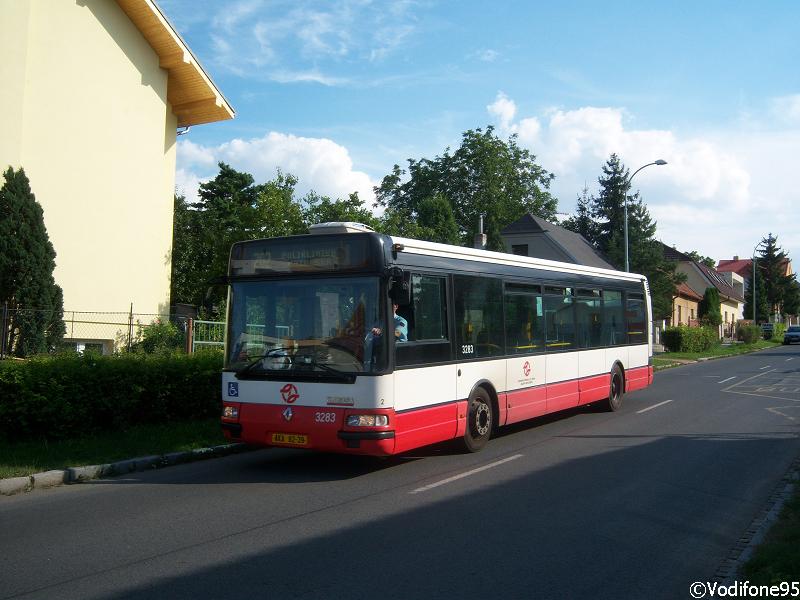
{"type": "Point", "coordinates": [582, 222]}
{"type": "Point", "coordinates": [645, 252]}
{"type": "Point", "coordinates": [771, 268]}
{"type": "Point", "coordinates": [27, 261]}
{"type": "Point", "coordinates": [709, 308]}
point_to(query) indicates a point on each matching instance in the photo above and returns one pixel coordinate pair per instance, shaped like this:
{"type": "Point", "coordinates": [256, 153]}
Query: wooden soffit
{"type": "Point", "coordinates": [193, 96]}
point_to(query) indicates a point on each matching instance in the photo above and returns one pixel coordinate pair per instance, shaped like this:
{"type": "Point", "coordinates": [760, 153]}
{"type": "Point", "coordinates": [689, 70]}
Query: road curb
{"type": "Point", "coordinates": [47, 479]}
{"type": "Point", "coordinates": [743, 549]}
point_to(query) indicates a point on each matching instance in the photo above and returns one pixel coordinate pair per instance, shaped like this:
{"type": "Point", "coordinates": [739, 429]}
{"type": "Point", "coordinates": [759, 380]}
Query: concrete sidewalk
{"type": "Point", "coordinates": [47, 479]}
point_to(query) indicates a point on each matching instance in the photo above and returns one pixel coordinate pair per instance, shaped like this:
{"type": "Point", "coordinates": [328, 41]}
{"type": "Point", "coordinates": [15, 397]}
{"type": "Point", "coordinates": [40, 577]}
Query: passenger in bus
{"type": "Point", "coordinates": [400, 327]}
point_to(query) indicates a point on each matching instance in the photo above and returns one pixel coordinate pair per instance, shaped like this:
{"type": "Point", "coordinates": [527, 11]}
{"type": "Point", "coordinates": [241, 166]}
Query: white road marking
{"type": "Point", "coordinates": [767, 367]}
{"type": "Point", "coordinates": [728, 379]}
{"type": "Point", "coordinates": [788, 359]}
{"type": "Point", "coordinates": [466, 474]}
{"type": "Point", "coordinates": [638, 412]}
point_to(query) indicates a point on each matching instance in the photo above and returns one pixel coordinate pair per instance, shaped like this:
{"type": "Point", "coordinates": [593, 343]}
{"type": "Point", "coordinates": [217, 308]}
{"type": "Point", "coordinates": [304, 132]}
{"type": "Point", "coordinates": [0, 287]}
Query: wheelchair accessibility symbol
{"type": "Point", "coordinates": [233, 389]}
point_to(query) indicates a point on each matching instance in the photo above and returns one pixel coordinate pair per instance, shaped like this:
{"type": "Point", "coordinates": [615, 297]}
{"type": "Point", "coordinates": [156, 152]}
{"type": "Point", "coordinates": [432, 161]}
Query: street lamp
{"type": "Point", "coordinates": [625, 187]}
{"type": "Point", "coordinates": [754, 282]}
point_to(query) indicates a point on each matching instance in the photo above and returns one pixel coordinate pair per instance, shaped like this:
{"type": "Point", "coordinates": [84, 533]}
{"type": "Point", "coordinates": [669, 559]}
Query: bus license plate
{"type": "Point", "coordinates": [292, 439]}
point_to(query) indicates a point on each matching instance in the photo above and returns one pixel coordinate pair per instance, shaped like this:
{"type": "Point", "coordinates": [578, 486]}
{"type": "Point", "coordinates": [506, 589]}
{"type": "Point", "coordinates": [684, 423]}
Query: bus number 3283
{"type": "Point", "coordinates": [325, 417]}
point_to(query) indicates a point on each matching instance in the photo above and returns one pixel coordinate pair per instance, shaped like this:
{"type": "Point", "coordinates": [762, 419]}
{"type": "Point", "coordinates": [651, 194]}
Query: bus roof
{"type": "Point", "coordinates": [412, 246]}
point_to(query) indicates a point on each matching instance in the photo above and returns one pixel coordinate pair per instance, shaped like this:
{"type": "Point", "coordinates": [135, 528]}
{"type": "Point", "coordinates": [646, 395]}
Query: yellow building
{"type": "Point", "coordinates": [92, 95]}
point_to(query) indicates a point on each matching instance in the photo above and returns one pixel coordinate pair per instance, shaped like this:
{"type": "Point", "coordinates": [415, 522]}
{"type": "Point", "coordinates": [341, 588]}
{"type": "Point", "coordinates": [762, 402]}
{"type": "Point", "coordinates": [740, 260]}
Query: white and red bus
{"type": "Point", "coordinates": [315, 357]}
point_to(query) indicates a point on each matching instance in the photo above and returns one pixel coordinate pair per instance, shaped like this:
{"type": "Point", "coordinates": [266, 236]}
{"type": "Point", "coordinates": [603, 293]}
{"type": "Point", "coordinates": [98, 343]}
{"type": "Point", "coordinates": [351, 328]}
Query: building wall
{"type": "Point", "coordinates": [683, 310]}
{"type": "Point", "coordinates": [539, 246]}
{"type": "Point", "coordinates": [83, 109]}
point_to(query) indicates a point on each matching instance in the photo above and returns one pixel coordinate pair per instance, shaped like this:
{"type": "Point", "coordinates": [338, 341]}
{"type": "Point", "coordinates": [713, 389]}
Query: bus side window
{"type": "Point", "coordinates": [635, 314]}
{"type": "Point", "coordinates": [559, 319]}
{"type": "Point", "coordinates": [613, 332]}
{"type": "Point", "coordinates": [479, 316]}
{"type": "Point", "coordinates": [428, 341]}
{"type": "Point", "coordinates": [524, 319]}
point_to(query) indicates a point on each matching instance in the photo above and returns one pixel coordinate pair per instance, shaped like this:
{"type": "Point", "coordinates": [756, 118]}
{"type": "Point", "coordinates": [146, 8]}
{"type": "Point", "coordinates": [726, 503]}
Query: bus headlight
{"type": "Point", "coordinates": [367, 420]}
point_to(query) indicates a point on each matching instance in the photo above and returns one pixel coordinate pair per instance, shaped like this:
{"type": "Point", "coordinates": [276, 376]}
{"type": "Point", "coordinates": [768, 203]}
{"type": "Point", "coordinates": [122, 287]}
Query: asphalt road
{"type": "Point", "coordinates": [586, 504]}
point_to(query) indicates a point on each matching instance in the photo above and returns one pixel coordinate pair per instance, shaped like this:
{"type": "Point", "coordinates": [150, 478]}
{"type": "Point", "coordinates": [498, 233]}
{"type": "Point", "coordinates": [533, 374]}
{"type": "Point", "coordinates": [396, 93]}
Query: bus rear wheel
{"type": "Point", "coordinates": [616, 390]}
{"type": "Point", "coordinates": [480, 420]}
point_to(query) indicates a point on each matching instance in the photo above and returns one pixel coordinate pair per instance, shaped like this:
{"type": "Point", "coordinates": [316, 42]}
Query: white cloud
{"type": "Point", "coordinates": [719, 193]}
{"type": "Point", "coordinates": [311, 42]}
{"type": "Point", "coordinates": [487, 55]}
{"type": "Point", "coordinates": [319, 163]}
{"type": "Point", "coordinates": [503, 109]}
{"type": "Point", "coordinates": [787, 108]}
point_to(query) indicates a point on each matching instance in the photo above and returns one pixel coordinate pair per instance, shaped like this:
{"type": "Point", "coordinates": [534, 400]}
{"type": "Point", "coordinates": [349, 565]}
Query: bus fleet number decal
{"type": "Point", "coordinates": [467, 349]}
{"type": "Point", "coordinates": [325, 417]}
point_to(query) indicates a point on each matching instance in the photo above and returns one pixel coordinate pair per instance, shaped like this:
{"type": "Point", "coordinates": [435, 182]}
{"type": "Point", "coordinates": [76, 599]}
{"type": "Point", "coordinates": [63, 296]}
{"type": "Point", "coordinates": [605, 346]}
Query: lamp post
{"type": "Point", "coordinates": [625, 187]}
{"type": "Point", "coordinates": [754, 282]}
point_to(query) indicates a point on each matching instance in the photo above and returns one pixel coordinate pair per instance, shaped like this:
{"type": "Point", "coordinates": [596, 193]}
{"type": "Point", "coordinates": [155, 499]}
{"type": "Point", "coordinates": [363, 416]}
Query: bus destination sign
{"type": "Point", "coordinates": [302, 255]}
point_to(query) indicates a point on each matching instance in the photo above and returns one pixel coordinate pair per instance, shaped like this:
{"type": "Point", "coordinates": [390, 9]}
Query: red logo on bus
{"type": "Point", "coordinates": [526, 368]}
{"type": "Point", "coordinates": [289, 393]}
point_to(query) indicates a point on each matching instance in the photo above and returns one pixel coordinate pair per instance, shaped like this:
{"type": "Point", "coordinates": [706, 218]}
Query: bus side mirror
{"type": "Point", "coordinates": [400, 287]}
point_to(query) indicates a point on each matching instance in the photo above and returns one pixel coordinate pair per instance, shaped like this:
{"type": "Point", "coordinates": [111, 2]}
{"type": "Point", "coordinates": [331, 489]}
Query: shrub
{"type": "Point", "coordinates": [70, 395]}
{"type": "Point", "coordinates": [689, 339]}
{"type": "Point", "coordinates": [777, 332]}
{"type": "Point", "coordinates": [160, 336]}
{"type": "Point", "coordinates": [749, 334]}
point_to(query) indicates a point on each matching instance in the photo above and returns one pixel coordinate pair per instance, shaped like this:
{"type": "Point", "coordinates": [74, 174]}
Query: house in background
{"type": "Point", "coordinates": [533, 236]}
{"type": "Point", "coordinates": [93, 94]}
{"type": "Point", "coordinates": [744, 269]}
{"type": "Point", "coordinates": [685, 305]}
{"type": "Point", "coordinates": [700, 277]}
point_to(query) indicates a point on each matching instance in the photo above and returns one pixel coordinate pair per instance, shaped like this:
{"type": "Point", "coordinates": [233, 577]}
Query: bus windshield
{"type": "Point", "coordinates": [306, 327]}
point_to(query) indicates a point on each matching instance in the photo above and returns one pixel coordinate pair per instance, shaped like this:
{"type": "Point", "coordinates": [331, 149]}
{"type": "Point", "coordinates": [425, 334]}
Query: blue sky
{"type": "Point", "coordinates": [338, 92]}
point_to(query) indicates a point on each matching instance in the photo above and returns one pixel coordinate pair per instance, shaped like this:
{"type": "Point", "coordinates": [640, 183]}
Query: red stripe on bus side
{"type": "Point", "coordinates": [594, 388]}
{"type": "Point", "coordinates": [425, 426]}
{"type": "Point", "coordinates": [562, 395]}
{"type": "Point", "coordinates": [636, 379]}
{"type": "Point", "coordinates": [526, 404]}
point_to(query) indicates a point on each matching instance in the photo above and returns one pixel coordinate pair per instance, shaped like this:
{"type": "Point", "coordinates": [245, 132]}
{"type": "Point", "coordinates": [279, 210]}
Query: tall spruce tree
{"type": "Point", "coordinates": [645, 252]}
{"type": "Point", "coordinates": [762, 310]}
{"type": "Point", "coordinates": [771, 268]}
{"type": "Point", "coordinates": [27, 261]}
{"type": "Point", "coordinates": [582, 222]}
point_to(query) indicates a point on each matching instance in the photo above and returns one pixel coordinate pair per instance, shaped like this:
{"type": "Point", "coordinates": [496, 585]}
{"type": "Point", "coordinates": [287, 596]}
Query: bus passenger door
{"type": "Point", "coordinates": [424, 385]}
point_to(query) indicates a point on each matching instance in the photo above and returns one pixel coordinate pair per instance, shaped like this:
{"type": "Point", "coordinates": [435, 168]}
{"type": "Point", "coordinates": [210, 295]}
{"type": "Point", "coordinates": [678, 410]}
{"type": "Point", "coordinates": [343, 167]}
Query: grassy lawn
{"type": "Point", "coordinates": [26, 458]}
{"type": "Point", "coordinates": [777, 559]}
{"type": "Point", "coordinates": [671, 359]}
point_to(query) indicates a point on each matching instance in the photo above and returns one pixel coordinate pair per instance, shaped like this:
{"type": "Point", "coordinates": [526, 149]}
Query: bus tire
{"type": "Point", "coordinates": [480, 420]}
{"type": "Point", "coordinates": [616, 390]}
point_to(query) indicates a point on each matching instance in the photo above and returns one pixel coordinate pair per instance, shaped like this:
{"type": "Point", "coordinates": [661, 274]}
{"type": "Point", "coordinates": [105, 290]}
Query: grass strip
{"type": "Point", "coordinates": [777, 559]}
{"type": "Point", "coordinates": [25, 458]}
{"type": "Point", "coordinates": [718, 351]}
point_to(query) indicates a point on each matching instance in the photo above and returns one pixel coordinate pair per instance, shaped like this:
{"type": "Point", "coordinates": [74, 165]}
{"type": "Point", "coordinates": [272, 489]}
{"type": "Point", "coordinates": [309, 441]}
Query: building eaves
{"type": "Point", "coordinates": [193, 96]}
{"type": "Point", "coordinates": [684, 291]}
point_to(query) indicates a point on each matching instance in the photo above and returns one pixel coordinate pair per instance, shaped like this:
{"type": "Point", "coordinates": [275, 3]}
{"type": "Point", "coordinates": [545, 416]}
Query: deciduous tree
{"type": "Point", "coordinates": [483, 176]}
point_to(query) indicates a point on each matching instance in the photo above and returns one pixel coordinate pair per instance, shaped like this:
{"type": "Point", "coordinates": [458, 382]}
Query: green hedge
{"type": "Point", "coordinates": [749, 334]}
{"type": "Point", "coordinates": [689, 339]}
{"type": "Point", "coordinates": [73, 395]}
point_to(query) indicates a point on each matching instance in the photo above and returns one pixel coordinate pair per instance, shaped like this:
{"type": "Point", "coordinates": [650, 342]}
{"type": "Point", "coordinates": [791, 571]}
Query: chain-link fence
{"type": "Point", "coordinates": [25, 331]}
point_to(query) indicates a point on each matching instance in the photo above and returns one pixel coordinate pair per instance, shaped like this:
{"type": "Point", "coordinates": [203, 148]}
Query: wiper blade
{"type": "Point", "coordinates": [311, 361]}
{"type": "Point", "coordinates": [258, 359]}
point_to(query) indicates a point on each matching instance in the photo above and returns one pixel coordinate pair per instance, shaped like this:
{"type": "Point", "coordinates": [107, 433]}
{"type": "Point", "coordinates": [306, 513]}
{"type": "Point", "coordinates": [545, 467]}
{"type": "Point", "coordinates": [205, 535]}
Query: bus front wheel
{"type": "Point", "coordinates": [616, 389]}
{"type": "Point", "coordinates": [480, 421]}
